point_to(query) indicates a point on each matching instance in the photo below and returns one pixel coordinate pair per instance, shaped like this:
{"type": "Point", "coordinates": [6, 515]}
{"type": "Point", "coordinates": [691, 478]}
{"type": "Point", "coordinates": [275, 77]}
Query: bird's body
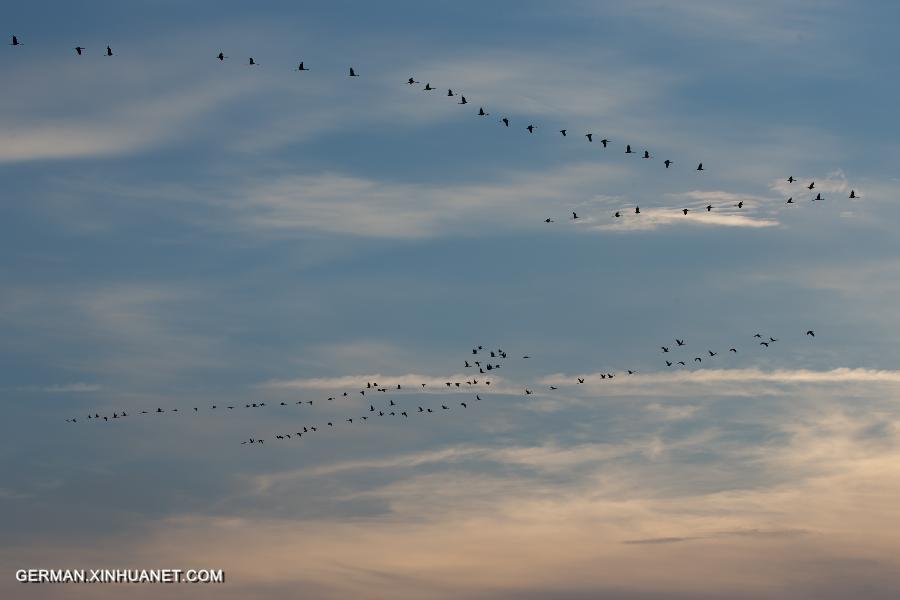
{"type": "Point", "coordinates": [353, 72]}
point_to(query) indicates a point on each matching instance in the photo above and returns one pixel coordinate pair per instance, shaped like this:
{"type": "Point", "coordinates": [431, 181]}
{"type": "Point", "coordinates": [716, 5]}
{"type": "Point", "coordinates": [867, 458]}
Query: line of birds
{"type": "Point", "coordinates": [531, 127]}
{"type": "Point", "coordinates": [484, 360]}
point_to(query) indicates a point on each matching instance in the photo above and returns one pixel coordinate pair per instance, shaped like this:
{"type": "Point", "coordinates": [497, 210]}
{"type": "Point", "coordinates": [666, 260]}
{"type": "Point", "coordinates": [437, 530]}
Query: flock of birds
{"type": "Point", "coordinates": [530, 128]}
{"type": "Point", "coordinates": [481, 361]}
{"type": "Point", "coordinates": [485, 361]}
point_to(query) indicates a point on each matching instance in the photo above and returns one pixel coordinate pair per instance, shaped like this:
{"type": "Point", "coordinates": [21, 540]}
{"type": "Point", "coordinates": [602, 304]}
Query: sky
{"type": "Point", "coordinates": [178, 231]}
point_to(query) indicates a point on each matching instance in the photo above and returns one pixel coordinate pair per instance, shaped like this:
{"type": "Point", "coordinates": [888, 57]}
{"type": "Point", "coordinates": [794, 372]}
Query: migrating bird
{"type": "Point", "coordinates": [637, 210]}
{"type": "Point", "coordinates": [428, 87]}
{"type": "Point", "coordinates": [300, 67]}
{"type": "Point", "coordinates": [221, 55]}
{"type": "Point", "coordinates": [252, 62]}
{"type": "Point", "coordinates": [548, 220]}
{"type": "Point", "coordinates": [481, 112]}
{"type": "Point", "coordinates": [853, 195]}
{"type": "Point", "coordinates": [353, 73]}
{"type": "Point", "coordinates": [664, 349]}
{"type": "Point", "coordinates": [580, 379]}
{"type": "Point", "coordinates": [667, 162]}
{"type": "Point", "coordinates": [604, 142]}
{"type": "Point", "coordinates": [530, 128]}
{"type": "Point", "coordinates": [462, 100]}
{"type": "Point", "coordinates": [733, 350]}
{"type": "Point", "coordinates": [411, 81]}
{"type": "Point", "coordinates": [563, 132]}
{"type": "Point", "coordinates": [646, 154]}
{"type": "Point", "coordinates": [79, 50]}
{"type": "Point", "coordinates": [790, 200]}
{"type": "Point", "coordinates": [791, 179]}
{"type": "Point", "coordinates": [700, 167]}
{"type": "Point", "coordinates": [685, 210]}
{"type": "Point", "coordinates": [709, 208]}
{"type": "Point", "coordinates": [574, 215]}
{"type": "Point", "coordinates": [811, 333]}
{"type": "Point", "coordinates": [109, 51]}
{"type": "Point", "coordinates": [589, 136]}
{"type": "Point", "coordinates": [818, 197]}
{"type": "Point", "coordinates": [811, 185]}
{"type": "Point", "coordinates": [628, 149]}
{"type": "Point", "coordinates": [15, 41]}
{"type": "Point", "coordinates": [505, 121]}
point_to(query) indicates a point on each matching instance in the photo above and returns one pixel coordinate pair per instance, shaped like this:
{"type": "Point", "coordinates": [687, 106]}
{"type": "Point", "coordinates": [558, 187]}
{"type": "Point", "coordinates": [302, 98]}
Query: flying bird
{"type": "Point", "coordinates": [15, 41]}
{"type": "Point", "coordinates": [109, 51]}
{"type": "Point", "coordinates": [481, 112]}
{"type": "Point", "coordinates": [221, 55]}
{"type": "Point", "coordinates": [505, 121]}
{"type": "Point", "coordinates": [353, 73]}
{"type": "Point", "coordinates": [589, 136]}
{"type": "Point", "coordinates": [79, 50]}
{"type": "Point", "coordinates": [563, 132]}
{"type": "Point", "coordinates": [530, 128]}
{"type": "Point", "coordinates": [811, 333]}
{"type": "Point", "coordinates": [700, 167]}
{"type": "Point", "coordinates": [300, 67]}
{"type": "Point", "coordinates": [667, 162]}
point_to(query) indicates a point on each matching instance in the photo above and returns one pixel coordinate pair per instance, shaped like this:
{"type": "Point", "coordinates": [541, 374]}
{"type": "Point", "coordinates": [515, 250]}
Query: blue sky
{"type": "Point", "coordinates": [179, 232]}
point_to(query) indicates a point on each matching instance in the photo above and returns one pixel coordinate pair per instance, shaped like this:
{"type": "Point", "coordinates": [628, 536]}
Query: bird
{"type": "Point", "coordinates": [637, 210]}
{"type": "Point", "coordinates": [505, 121]}
{"type": "Point", "coordinates": [685, 210]}
{"type": "Point", "coordinates": [15, 41]}
{"type": "Point", "coordinates": [589, 136]}
{"type": "Point", "coordinates": [698, 359]}
{"type": "Point", "coordinates": [221, 55]}
{"type": "Point", "coordinates": [353, 73]}
{"type": "Point", "coordinates": [711, 353]}
{"type": "Point", "coordinates": [740, 204]}
{"type": "Point", "coordinates": [109, 51]}
{"type": "Point", "coordinates": [462, 100]}
{"type": "Point", "coordinates": [450, 93]}
{"type": "Point", "coordinates": [251, 62]}
{"type": "Point", "coordinates": [679, 342]}
{"type": "Point", "coordinates": [791, 179]}
{"type": "Point", "coordinates": [528, 392]}
{"type": "Point", "coordinates": [563, 132]}
{"type": "Point", "coordinates": [411, 81]}
{"type": "Point", "coordinates": [428, 87]}
{"type": "Point", "coordinates": [766, 344]}
{"type": "Point", "coordinates": [811, 185]}
{"type": "Point", "coordinates": [628, 149]}
{"type": "Point", "coordinates": [548, 220]}
{"type": "Point", "coordinates": [667, 162]}
{"type": "Point", "coordinates": [818, 197]}
{"type": "Point", "coordinates": [790, 200]}
{"type": "Point", "coordinates": [604, 142]}
{"type": "Point", "coordinates": [300, 67]}
{"type": "Point", "coordinates": [733, 350]}
{"type": "Point", "coordinates": [771, 339]}
{"type": "Point", "coordinates": [668, 364]}
{"type": "Point", "coordinates": [811, 333]}
{"type": "Point", "coordinates": [617, 215]}
{"type": "Point", "coordinates": [574, 215]}
{"type": "Point", "coordinates": [580, 379]}
{"type": "Point", "coordinates": [79, 50]}
{"type": "Point", "coordinates": [757, 335]}
{"type": "Point", "coordinates": [481, 112]}
{"type": "Point", "coordinates": [700, 167]}
{"type": "Point", "coordinates": [646, 154]}
{"type": "Point", "coordinates": [709, 207]}
{"type": "Point", "coordinates": [530, 128]}
{"type": "Point", "coordinates": [853, 195]}
{"type": "Point", "coordinates": [664, 348]}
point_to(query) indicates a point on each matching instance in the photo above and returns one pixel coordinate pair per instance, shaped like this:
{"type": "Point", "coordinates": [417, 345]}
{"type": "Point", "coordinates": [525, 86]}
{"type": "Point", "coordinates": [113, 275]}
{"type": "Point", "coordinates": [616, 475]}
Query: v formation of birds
{"type": "Point", "coordinates": [496, 357]}
{"type": "Point", "coordinates": [530, 128]}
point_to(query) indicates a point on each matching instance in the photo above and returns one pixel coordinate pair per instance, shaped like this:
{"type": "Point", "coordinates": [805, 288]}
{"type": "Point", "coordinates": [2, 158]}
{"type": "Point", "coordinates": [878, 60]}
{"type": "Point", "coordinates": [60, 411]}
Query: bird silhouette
{"type": "Point", "coordinates": [628, 149]}
{"type": "Point", "coordinates": [679, 342]}
{"type": "Point", "coordinates": [605, 142]}
{"type": "Point", "coordinates": [811, 333]}
{"type": "Point", "coordinates": [530, 128]}
{"type": "Point", "coordinates": [221, 56]}
{"type": "Point", "coordinates": [481, 112]}
{"type": "Point", "coordinates": [505, 121]}
{"type": "Point", "coordinates": [353, 73]}
{"type": "Point", "coordinates": [251, 62]}
{"type": "Point", "coordinates": [300, 67]}
{"type": "Point", "coordinates": [411, 81]}
{"type": "Point", "coordinates": [790, 200]}
{"type": "Point", "coordinates": [574, 215]}
{"type": "Point", "coordinates": [109, 51]}
{"type": "Point", "coordinates": [811, 185]}
{"type": "Point", "coordinates": [428, 88]}
{"type": "Point", "coordinates": [700, 167]}
{"type": "Point", "coordinates": [79, 50]}
{"type": "Point", "coordinates": [646, 154]}
{"type": "Point", "coordinates": [685, 210]}
{"type": "Point", "coordinates": [15, 41]}
{"type": "Point", "coordinates": [563, 132]}
{"type": "Point", "coordinates": [791, 179]}
{"type": "Point", "coordinates": [667, 162]}
{"type": "Point", "coordinates": [853, 195]}
{"type": "Point", "coordinates": [589, 136]}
